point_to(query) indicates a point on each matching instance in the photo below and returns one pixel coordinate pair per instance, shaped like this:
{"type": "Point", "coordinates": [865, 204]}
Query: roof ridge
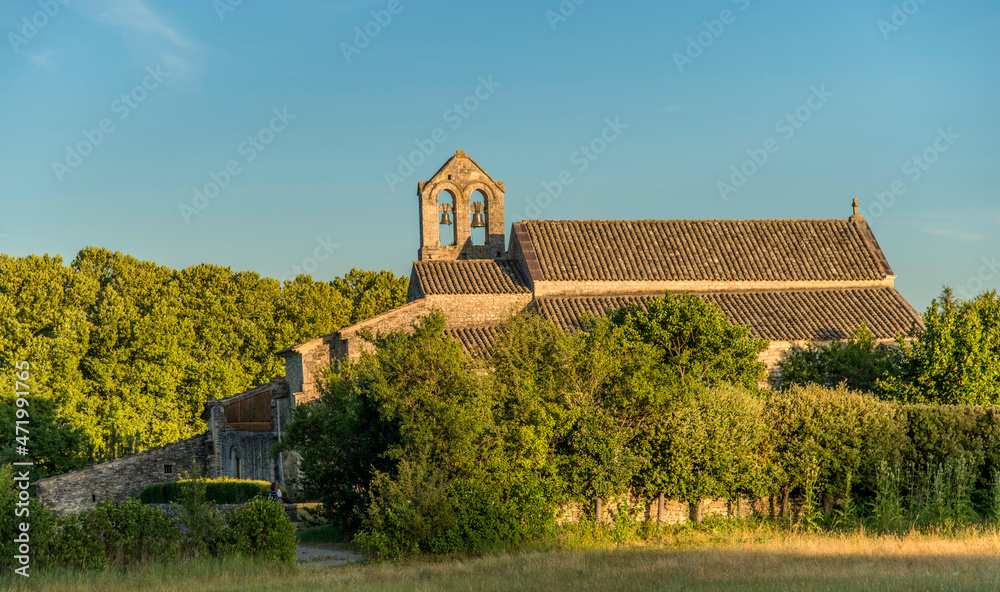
{"type": "Point", "coordinates": [609, 220]}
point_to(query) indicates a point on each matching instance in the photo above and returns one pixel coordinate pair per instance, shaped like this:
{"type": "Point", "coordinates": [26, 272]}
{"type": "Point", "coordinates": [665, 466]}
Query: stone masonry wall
{"type": "Point", "coordinates": [252, 450]}
{"type": "Point", "coordinates": [674, 511]}
{"type": "Point", "coordinates": [477, 310]}
{"type": "Point", "coordinates": [304, 363]}
{"type": "Point", "coordinates": [121, 478]}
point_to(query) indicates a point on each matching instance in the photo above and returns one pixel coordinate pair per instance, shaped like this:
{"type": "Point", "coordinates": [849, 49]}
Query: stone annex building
{"type": "Point", "coordinates": [792, 281]}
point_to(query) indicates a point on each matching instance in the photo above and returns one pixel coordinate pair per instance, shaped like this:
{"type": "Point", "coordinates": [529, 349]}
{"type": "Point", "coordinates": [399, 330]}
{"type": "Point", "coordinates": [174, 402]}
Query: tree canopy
{"type": "Point", "coordinates": [124, 352]}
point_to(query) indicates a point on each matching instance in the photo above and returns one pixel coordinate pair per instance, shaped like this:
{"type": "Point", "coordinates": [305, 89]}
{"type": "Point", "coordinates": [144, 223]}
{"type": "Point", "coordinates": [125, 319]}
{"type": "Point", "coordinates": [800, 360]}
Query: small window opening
{"type": "Point", "coordinates": [93, 497]}
{"type": "Point", "coordinates": [168, 468]}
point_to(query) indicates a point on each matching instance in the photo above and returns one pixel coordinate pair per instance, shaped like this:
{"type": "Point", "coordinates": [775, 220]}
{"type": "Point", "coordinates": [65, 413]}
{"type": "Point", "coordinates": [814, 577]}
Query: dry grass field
{"type": "Point", "coordinates": [853, 563]}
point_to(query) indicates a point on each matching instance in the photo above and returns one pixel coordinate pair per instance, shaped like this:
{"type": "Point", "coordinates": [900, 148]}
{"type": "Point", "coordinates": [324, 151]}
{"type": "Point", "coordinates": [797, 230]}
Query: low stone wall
{"type": "Point", "coordinates": [291, 510]}
{"type": "Point", "coordinates": [121, 478]}
{"type": "Point", "coordinates": [674, 511]}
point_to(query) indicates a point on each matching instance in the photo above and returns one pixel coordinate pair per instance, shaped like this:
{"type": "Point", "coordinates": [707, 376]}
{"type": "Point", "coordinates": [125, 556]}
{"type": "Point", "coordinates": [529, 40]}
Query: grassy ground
{"type": "Point", "coordinates": [853, 562]}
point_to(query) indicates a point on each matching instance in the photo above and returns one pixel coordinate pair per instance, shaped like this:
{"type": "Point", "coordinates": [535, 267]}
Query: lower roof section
{"type": "Point", "coordinates": [780, 315]}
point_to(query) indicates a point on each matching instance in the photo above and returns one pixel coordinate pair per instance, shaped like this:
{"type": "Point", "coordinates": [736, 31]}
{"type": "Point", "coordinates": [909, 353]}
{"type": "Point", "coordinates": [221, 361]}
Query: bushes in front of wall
{"type": "Point", "coordinates": [260, 528]}
{"type": "Point", "coordinates": [223, 490]}
{"type": "Point", "coordinates": [117, 535]}
{"type": "Point", "coordinates": [418, 448]}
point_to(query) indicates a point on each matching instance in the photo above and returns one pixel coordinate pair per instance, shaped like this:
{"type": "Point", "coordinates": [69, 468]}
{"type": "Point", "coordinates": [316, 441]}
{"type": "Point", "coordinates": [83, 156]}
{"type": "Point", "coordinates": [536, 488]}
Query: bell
{"type": "Point", "coordinates": [445, 218]}
{"type": "Point", "coordinates": [477, 220]}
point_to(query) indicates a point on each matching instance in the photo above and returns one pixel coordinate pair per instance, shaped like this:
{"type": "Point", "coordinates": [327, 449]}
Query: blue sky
{"type": "Point", "coordinates": [113, 114]}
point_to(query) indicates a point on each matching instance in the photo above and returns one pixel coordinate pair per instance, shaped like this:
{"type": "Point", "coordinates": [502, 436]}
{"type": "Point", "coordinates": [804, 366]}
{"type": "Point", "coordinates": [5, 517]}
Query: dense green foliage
{"type": "Point", "coordinates": [131, 533]}
{"type": "Point", "coordinates": [217, 491]}
{"type": "Point", "coordinates": [954, 359]}
{"type": "Point", "coordinates": [692, 342]}
{"type": "Point", "coordinates": [260, 528]}
{"type": "Point", "coordinates": [831, 437]}
{"type": "Point", "coordinates": [858, 363]}
{"type": "Point", "coordinates": [418, 448]}
{"type": "Point", "coordinates": [124, 352]}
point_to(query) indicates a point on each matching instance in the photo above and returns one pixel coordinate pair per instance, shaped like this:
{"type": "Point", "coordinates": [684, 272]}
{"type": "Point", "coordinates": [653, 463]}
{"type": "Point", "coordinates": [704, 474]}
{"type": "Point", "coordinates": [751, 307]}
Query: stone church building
{"type": "Point", "coordinates": [791, 281]}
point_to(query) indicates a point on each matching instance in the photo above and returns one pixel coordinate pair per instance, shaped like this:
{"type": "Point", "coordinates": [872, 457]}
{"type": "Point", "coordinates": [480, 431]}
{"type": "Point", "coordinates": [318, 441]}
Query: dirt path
{"type": "Point", "coordinates": [319, 555]}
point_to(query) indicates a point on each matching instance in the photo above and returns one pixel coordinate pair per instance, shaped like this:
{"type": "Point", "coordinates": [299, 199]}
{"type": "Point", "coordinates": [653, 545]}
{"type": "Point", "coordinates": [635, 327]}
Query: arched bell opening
{"type": "Point", "coordinates": [446, 213]}
{"type": "Point", "coordinates": [478, 217]}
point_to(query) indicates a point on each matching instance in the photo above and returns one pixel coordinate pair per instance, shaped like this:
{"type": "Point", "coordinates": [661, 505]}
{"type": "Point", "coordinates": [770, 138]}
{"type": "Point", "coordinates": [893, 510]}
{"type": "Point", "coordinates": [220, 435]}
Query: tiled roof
{"type": "Point", "coordinates": [471, 276]}
{"type": "Point", "coordinates": [773, 315]}
{"type": "Point", "coordinates": [477, 341]}
{"type": "Point", "coordinates": [706, 250]}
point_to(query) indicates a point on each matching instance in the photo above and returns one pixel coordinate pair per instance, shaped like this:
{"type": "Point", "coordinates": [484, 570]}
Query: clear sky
{"type": "Point", "coordinates": [113, 114]}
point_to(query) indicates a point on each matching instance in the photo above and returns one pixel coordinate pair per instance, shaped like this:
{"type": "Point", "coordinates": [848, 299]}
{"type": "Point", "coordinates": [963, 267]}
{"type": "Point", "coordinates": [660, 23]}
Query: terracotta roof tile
{"type": "Point", "coordinates": [774, 315]}
{"type": "Point", "coordinates": [477, 341]}
{"type": "Point", "coordinates": [471, 276]}
{"type": "Point", "coordinates": [714, 250]}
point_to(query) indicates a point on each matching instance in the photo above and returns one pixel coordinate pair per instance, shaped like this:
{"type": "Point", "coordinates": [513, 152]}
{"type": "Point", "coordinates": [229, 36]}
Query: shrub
{"type": "Point", "coordinates": [131, 532]}
{"type": "Point", "coordinates": [937, 433]}
{"type": "Point", "coordinates": [223, 490]}
{"type": "Point", "coordinates": [75, 547]}
{"type": "Point", "coordinates": [40, 520]}
{"type": "Point", "coordinates": [714, 445]}
{"type": "Point", "coordinates": [857, 362]}
{"type": "Point", "coordinates": [260, 528]}
{"type": "Point", "coordinates": [841, 433]}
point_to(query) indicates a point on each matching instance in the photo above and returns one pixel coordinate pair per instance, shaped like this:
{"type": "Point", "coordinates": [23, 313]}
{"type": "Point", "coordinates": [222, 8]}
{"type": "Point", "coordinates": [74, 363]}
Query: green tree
{"type": "Point", "coordinates": [715, 444]}
{"type": "Point", "coordinates": [858, 363]}
{"type": "Point", "coordinates": [833, 433]}
{"type": "Point", "coordinates": [129, 350]}
{"type": "Point", "coordinates": [956, 358]}
{"type": "Point", "coordinates": [694, 340]}
{"type": "Point", "coordinates": [371, 292]}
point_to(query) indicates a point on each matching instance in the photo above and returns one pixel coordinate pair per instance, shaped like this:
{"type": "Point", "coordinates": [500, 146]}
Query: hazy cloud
{"type": "Point", "coordinates": [42, 60]}
{"type": "Point", "coordinates": [149, 35]}
{"type": "Point", "coordinates": [952, 233]}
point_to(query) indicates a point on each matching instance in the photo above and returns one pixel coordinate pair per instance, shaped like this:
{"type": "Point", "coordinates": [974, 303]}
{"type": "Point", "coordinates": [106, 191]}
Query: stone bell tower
{"type": "Point", "coordinates": [464, 205]}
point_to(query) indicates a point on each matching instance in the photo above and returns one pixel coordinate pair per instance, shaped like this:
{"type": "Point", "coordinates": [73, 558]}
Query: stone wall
{"type": "Point", "coordinates": [478, 310]}
{"type": "Point", "coordinates": [348, 344]}
{"type": "Point", "coordinates": [674, 511]}
{"type": "Point", "coordinates": [250, 451]}
{"type": "Point", "coordinates": [121, 478]}
{"type": "Point", "coordinates": [304, 362]}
